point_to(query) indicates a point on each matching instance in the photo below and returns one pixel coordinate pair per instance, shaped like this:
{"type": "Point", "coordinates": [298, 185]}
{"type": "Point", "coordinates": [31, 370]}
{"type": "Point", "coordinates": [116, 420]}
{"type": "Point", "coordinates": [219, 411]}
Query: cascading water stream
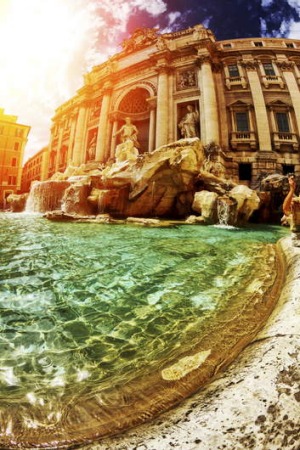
{"type": "Point", "coordinates": [46, 196]}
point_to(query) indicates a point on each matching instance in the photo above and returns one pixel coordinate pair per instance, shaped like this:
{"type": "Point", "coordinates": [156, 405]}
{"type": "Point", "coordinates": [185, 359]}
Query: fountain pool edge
{"type": "Point", "coordinates": [254, 404]}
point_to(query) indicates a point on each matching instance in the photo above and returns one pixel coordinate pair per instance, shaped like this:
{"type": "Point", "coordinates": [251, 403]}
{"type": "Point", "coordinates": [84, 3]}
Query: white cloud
{"type": "Point", "coordinates": [173, 16]}
{"type": "Point", "coordinates": [294, 31]}
{"type": "Point", "coordinates": [153, 7]}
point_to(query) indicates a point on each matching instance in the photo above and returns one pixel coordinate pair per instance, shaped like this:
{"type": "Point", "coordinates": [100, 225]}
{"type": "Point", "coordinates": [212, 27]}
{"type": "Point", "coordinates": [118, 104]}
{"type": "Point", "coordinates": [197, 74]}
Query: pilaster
{"type": "Point", "coordinates": [293, 88]}
{"type": "Point", "coordinates": [262, 122]}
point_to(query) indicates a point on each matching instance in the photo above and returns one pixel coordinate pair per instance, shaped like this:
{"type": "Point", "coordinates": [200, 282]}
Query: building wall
{"type": "Point", "coordinates": [246, 92]}
{"type": "Point", "coordinates": [34, 169]}
{"type": "Point", "coordinates": [13, 138]}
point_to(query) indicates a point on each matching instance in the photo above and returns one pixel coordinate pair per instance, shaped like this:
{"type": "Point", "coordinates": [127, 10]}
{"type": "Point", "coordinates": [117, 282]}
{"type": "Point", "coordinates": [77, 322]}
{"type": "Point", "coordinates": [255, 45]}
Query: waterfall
{"type": "Point", "coordinates": [227, 211]}
{"type": "Point", "coordinates": [223, 212]}
{"type": "Point", "coordinates": [46, 196]}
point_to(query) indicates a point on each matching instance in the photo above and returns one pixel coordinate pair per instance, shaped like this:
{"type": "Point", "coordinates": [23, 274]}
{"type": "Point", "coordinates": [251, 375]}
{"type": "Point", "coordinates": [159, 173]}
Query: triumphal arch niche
{"type": "Point", "coordinates": [134, 104]}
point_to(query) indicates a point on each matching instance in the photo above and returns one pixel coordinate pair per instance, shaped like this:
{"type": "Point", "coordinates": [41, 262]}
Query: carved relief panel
{"type": "Point", "coordinates": [186, 79]}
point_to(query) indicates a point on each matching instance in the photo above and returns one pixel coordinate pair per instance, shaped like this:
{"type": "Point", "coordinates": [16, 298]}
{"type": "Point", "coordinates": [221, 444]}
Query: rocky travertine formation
{"type": "Point", "coordinates": [157, 184]}
{"type": "Point", "coordinates": [254, 405]}
{"type": "Point", "coordinates": [17, 202]}
{"type": "Point", "coordinates": [168, 182]}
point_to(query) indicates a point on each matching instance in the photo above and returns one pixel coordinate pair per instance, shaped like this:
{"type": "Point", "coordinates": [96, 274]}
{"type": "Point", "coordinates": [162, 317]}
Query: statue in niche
{"type": "Point", "coordinates": [128, 149]}
{"type": "Point", "coordinates": [189, 124]}
{"type": "Point", "coordinates": [91, 150]}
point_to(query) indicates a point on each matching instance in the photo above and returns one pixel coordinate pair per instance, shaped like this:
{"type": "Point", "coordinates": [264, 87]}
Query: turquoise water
{"type": "Point", "coordinates": [85, 308]}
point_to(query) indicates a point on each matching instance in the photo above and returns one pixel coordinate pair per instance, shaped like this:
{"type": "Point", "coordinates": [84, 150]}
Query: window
{"type": "Point", "coordinates": [245, 171]}
{"type": "Point", "coordinates": [227, 45]}
{"type": "Point", "coordinates": [290, 45]}
{"type": "Point", "coordinates": [233, 70]}
{"type": "Point", "coordinates": [282, 122]}
{"type": "Point", "coordinates": [288, 168]}
{"type": "Point", "coordinates": [14, 162]}
{"type": "Point", "coordinates": [1, 130]}
{"type": "Point", "coordinates": [19, 132]}
{"type": "Point", "coordinates": [242, 122]}
{"type": "Point", "coordinates": [258, 44]}
{"type": "Point", "coordinates": [269, 69]}
{"type": "Point", "coordinates": [16, 146]}
{"type": "Point", "coordinates": [12, 180]}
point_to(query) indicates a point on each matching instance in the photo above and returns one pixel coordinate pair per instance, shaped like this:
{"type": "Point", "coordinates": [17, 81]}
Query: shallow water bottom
{"type": "Point", "coordinates": [103, 327]}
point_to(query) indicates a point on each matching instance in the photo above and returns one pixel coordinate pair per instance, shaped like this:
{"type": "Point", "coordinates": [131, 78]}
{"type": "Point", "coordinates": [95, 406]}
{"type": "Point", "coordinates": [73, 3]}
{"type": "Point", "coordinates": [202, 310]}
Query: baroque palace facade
{"type": "Point", "coordinates": [244, 95]}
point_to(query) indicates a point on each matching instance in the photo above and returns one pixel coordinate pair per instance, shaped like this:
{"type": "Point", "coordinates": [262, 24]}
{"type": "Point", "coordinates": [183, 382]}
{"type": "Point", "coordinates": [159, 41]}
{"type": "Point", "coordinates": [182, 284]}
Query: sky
{"type": "Point", "coordinates": [47, 45]}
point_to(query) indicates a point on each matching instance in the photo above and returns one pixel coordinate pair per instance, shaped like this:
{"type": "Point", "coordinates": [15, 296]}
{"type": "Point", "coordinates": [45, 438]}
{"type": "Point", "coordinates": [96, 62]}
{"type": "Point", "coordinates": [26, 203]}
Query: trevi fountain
{"type": "Point", "coordinates": [131, 288]}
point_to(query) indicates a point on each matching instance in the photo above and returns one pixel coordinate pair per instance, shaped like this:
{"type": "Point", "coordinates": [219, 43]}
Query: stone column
{"type": "Point", "coordinates": [79, 150]}
{"type": "Point", "coordinates": [171, 131]}
{"type": "Point", "coordinates": [162, 121]}
{"type": "Point", "coordinates": [60, 138]}
{"type": "Point", "coordinates": [210, 120]}
{"type": "Point", "coordinates": [293, 88]}
{"type": "Point", "coordinates": [152, 105]}
{"type": "Point", "coordinates": [101, 147]}
{"type": "Point", "coordinates": [262, 122]}
{"type": "Point", "coordinates": [71, 139]}
{"type": "Point", "coordinates": [114, 138]}
{"type": "Point", "coordinates": [108, 140]}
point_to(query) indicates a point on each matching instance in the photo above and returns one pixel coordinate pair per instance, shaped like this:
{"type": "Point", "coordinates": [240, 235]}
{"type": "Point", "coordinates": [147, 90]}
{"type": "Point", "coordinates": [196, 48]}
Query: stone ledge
{"type": "Point", "coordinates": [254, 404]}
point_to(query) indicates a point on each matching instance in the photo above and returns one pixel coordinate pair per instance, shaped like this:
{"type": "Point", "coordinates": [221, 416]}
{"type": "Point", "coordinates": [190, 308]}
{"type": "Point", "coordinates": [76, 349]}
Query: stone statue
{"type": "Point", "coordinates": [126, 152]}
{"type": "Point", "coordinates": [161, 43]}
{"type": "Point", "coordinates": [200, 32]}
{"type": "Point", "coordinates": [128, 132]}
{"type": "Point", "coordinates": [91, 151]}
{"type": "Point", "coordinates": [189, 123]}
{"type": "Point", "coordinates": [140, 38]}
{"type": "Point", "coordinates": [128, 149]}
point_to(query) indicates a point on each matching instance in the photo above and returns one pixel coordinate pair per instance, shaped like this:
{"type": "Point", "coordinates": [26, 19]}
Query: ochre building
{"type": "Point", "coordinates": [241, 97]}
{"type": "Point", "coordinates": [13, 138]}
{"type": "Point", "coordinates": [35, 169]}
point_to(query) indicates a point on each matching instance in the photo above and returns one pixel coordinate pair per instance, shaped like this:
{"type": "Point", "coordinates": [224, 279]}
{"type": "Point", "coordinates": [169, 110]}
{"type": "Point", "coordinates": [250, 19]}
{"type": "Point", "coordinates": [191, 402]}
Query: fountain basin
{"type": "Point", "coordinates": [103, 327]}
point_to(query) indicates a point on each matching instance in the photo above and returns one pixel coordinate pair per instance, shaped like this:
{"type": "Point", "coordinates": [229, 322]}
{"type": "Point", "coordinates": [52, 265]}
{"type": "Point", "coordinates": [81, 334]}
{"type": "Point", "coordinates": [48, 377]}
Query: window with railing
{"type": "Point", "coordinates": [284, 135]}
{"type": "Point", "coordinates": [242, 121]}
{"type": "Point", "coordinates": [269, 69]}
{"type": "Point", "coordinates": [233, 71]}
{"type": "Point", "coordinates": [282, 122]}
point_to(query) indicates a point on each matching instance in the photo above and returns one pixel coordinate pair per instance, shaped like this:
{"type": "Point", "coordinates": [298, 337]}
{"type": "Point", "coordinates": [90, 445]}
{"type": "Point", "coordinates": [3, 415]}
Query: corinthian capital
{"type": "Point", "coordinates": [249, 65]}
{"type": "Point", "coordinates": [286, 65]}
{"type": "Point", "coordinates": [203, 59]}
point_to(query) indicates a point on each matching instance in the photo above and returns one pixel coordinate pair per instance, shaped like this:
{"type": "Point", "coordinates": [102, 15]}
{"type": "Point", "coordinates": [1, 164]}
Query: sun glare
{"type": "Point", "coordinates": [38, 41]}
